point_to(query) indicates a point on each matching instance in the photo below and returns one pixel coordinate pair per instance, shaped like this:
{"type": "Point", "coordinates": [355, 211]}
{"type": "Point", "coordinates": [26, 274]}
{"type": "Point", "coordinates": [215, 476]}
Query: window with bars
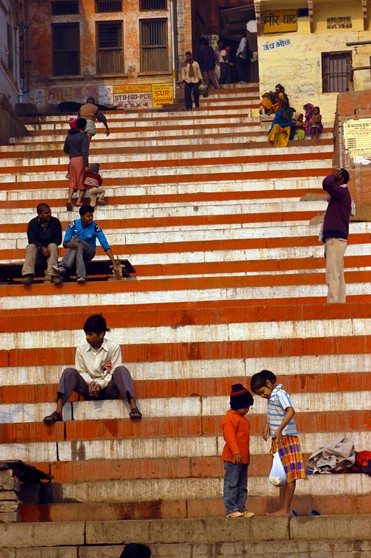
{"type": "Point", "coordinates": [336, 68]}
{"type": "Point", "coordinates": [104, 6]}
{"type": "Point", "coordinates": [66, 49]}
{"type": "Point", "coordinates": [153, 5]}
{"type": "Point", "coordinates": [154, 45]}
{"type": "Point", "coordinates": [65, 8]}
{"type": "Point", "coordinates": [109, 48]}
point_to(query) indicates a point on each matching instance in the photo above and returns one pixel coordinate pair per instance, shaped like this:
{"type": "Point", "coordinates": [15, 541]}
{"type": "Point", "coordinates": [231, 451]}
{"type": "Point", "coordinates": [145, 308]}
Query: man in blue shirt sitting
{"type": "Point", "coordinates": [80, 240]}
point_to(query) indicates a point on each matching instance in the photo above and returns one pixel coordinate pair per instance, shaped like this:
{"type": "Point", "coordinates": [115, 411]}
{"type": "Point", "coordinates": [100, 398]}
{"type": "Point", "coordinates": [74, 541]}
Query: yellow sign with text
{"type": "Point", "coordinates": [162, 94]}
{"type": "Point", "coordinates": [132, 88]}
{"type": "Point", "coordinates": [279, 21]}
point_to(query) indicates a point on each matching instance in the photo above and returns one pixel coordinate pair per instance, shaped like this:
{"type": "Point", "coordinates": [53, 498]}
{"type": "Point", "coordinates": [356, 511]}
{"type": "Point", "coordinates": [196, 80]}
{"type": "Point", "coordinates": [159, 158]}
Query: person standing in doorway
{"type": "Point", "coordinates": [206, 59]}
{"type": "Point", "coordinates": [241, 59]}
{"type": "Point", "coordinates": [192, 77]}
{"type": "Point", "coordinates": [335, 232]}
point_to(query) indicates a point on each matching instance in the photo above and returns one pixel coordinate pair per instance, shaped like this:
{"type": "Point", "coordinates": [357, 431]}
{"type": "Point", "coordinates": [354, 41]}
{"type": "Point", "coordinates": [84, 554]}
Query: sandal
{"type": "Point", "coordinates": [54, 417]}
{"type": "Point", "coordinates": [135, 413]}
{"type": "Point", "coordinates": [69, 206]}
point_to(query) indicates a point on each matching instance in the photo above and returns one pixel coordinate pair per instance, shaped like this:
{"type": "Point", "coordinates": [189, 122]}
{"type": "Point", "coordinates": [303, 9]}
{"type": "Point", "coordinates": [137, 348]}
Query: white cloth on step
{"type": "Point", "coordinates": [335, 455]}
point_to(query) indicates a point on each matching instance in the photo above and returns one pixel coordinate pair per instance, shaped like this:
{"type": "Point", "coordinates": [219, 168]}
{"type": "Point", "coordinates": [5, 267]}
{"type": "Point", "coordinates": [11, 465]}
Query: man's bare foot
{"type": "Point", "coordinates": [279, 513]}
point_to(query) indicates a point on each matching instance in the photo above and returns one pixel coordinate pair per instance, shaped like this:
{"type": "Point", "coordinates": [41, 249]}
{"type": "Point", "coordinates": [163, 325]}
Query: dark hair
{"type": "Point", "coordinates": [345, 175]}
{"type": "Point", "coordinates": [205, 42]}
{"type": "Point", "coordinates": [81, 123]}
{"type": "Point", "coordinates": [188, 52]}
{"type": "Point", "coordinates": [85, 208]}
{"type": "Point", "coordinates": [259, 380]}
{"type": "Point", "coordinates": [95, 324]}
{"type": "Point", "coordinates": [134, 550]}
{"type": "Point", "coordinates": [42, 207]}
{"type": "Point", "coordinates": [90, 100]}
{"type": "Point", "coordinates": [280, 87]}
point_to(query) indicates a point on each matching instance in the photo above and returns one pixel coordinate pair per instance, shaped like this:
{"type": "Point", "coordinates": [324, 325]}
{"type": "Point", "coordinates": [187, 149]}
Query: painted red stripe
{"type": "Point", "coordinates": [200, 351]}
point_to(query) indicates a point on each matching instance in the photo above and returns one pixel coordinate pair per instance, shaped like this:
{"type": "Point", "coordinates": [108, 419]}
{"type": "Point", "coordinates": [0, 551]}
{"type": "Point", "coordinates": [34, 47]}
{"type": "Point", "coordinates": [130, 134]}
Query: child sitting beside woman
{"type": "Point", "coordinates": [316, 126]}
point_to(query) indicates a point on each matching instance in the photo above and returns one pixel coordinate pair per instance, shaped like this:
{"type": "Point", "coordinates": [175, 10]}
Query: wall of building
{"type": "Point", "coordinates": [294, 59]}
{"type": "Point", "coordinates": [9, 51]}
{"type": "Point", "coordinates": [47, 89]}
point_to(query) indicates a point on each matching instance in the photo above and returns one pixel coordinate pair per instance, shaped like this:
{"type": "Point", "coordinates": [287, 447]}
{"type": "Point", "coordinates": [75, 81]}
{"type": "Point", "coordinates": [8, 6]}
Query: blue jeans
{"type": "Point", "coordinates": [235, 487]}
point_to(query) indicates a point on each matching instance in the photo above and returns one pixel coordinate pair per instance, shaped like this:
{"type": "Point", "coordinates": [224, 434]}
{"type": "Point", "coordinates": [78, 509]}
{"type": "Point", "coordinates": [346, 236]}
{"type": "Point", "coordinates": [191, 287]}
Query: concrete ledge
{"type": "Point", "coordinates": [18, 535]}
{"type": "Point", "coordinates": [184, 531]}
{"type": "Point", "coordinates": [332, 528]}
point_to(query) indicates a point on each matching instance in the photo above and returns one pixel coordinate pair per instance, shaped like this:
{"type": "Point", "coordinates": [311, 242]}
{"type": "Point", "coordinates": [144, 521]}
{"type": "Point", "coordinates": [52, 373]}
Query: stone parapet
{"type": "Point", "coordinates": [9, 501]}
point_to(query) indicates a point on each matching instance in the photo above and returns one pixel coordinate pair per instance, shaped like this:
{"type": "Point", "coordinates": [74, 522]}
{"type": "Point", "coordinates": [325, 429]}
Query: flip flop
{"type": "Point", "coordinates": [135, 413]}
{"type": "Point", "coordinates": [54, 417]}
{"type": "Point", "coordinates": [314, 512]}
{"type": "Point", "coordinates": [69, 206]}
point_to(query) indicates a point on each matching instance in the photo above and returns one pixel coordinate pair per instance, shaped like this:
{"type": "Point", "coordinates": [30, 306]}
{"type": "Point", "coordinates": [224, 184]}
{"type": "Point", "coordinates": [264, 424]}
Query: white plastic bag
{"type": "Point", "coordinates": [277, 476]}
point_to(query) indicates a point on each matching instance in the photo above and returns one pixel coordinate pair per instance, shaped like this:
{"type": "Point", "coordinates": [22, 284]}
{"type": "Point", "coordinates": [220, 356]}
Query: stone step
{"type": "Point", "coordinates": [179, 407]}
{"type": "Point", "coordinates": [182, 488]}
{"type": "Point", "coordinates": [123, 157]}
{"type": "Point", "coordinates": [340, 536]}
{"type": "Point", "coordinates": [26, 389]}
{"type": "Point", "coordinates": [226, 176]}
{"type": "Point", "coordinates": [154, 379]}
{"type": "Point", "coordinates": [132, 195]}
{"type": "Point", "coordinates": [155, 438]}
{"type": "Point", "coordinates": [250, 140]}
{"type": "Point", "coordinates": [148, 171]}
{"type": "Point", "coordinates": [197, 190]}
{"type": "Point", "coordinates": [241, 113]}
{"type": "Point", "coordinates": [289, 215]}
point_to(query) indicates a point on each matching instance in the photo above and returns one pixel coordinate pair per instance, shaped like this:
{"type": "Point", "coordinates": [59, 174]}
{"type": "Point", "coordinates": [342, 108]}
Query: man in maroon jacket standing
{"type": "Point", "coordinates": [335, 232]}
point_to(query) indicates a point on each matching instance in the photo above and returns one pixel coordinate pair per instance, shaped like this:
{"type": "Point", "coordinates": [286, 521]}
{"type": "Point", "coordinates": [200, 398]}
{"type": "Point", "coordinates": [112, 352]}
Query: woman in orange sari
{"type": "Point", "coordinates": [275, 100]}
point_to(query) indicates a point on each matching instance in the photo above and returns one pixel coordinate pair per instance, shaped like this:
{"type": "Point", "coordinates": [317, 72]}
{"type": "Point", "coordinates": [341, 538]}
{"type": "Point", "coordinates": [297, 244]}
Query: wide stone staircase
{"type": "Point", "coordinates": [229, 280]}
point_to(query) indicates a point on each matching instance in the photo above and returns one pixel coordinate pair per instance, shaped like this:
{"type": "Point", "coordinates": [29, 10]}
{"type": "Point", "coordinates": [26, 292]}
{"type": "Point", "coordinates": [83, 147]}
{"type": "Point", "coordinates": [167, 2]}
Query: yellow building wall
{"type": "Point", "coordinates": [297, 64]}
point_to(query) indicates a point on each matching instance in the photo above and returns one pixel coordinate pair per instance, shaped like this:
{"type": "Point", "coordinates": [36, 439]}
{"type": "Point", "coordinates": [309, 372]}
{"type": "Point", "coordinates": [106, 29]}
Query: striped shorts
{"type": "Point", "coordinates": [292, 459]}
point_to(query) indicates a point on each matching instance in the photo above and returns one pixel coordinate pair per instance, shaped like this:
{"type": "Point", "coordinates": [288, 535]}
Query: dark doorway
{"type": "Point", "coordinates": [227, 20]}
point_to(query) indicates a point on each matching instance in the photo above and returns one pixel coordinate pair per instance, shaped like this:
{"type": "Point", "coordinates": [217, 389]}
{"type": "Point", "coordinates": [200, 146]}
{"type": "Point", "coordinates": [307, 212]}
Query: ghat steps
{"type": "Point", "coordinates": [230, 280]}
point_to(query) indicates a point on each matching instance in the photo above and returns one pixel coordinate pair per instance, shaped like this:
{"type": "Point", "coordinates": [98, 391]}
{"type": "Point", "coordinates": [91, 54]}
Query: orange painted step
{"type": "Point", "coordinates": [107, 429]}
{"type": "Point", "coordinates": [194, 220]}
{"type": "Point", "coordinates": [199, 351]}
{"type": "Point", "coordinates": [204, 246]}
{"type": "Point", "coordinates": [180, 314]}
{"type": "Point", "coordinates": [195, 508]}
{"type": "Point", "coordinates": [217, 145]}
{"type": "Point", "coordinates": [184, 178]}
{"type": "Point", "coordinates": [201, 387]}
{"type": "Point", "coordinates": [155, 468]}
{"type": "Point", "coordinates": [175, 198]}
{"type": "Point", "coordinates": [193, 162]}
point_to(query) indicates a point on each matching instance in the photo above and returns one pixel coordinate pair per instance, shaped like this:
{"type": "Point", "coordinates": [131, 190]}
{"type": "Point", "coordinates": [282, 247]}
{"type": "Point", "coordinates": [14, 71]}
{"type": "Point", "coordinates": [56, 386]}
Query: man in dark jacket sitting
{"type": "Point", "coordinates": [44, 234]}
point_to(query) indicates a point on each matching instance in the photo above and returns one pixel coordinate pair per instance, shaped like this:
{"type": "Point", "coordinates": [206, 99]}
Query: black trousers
{"type": "Point", "coordinates": [190, 88]}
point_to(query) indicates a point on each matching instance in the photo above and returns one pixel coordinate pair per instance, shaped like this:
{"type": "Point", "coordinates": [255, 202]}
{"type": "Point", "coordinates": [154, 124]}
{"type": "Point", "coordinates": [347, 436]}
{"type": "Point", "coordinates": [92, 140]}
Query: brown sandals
{"type": "Point", "coordinates": [54, 417]}
{"type": "Point", "coordinates": [135, 413]}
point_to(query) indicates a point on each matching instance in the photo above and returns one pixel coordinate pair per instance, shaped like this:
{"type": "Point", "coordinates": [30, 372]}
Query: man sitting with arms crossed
{"type": "Point", "coordinates": [44, 234]}
{"type": "Point", "coordinates": [98, 372]}
{"type": "Point", "coordinates": [80, 240]}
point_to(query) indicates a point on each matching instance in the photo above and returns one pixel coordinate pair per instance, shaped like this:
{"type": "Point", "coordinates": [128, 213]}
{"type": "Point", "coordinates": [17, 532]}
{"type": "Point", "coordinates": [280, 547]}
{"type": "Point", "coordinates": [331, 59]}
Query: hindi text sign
{"type": "Point", "coordinates": [279, 21]}
{"type": "Point", "coordinates": [357, 137]}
